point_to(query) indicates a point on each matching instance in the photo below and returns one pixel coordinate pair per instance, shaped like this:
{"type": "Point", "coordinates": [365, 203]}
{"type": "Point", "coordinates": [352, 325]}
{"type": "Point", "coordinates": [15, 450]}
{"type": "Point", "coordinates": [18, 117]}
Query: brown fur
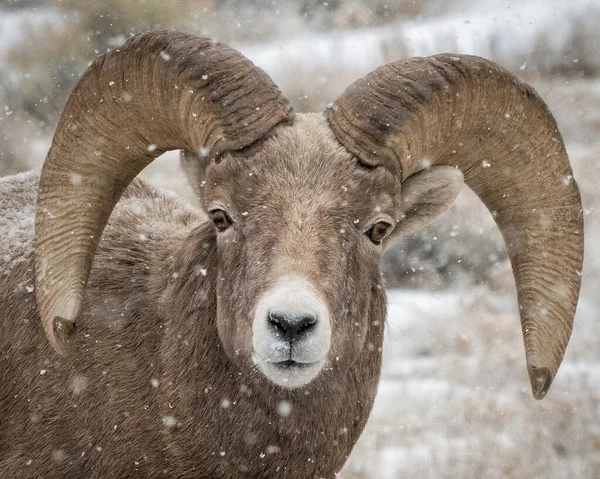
{"type": "Point", "coordinates": [152, 314]}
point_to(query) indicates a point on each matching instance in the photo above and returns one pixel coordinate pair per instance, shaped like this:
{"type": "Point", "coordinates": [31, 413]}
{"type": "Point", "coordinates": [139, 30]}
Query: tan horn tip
{"type": "Point", "coordinates": [63, 335]}
{"type": "Point", "coordinates": [541, 379]}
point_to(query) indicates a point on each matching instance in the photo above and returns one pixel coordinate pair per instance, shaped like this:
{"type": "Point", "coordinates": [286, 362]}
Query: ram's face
{"type": "Point", "coordinates": [300, 226]}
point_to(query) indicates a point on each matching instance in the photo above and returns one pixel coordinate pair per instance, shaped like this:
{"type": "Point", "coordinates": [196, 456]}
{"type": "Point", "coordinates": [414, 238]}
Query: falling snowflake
{"type": "Point", "coordinates": [284, 408]}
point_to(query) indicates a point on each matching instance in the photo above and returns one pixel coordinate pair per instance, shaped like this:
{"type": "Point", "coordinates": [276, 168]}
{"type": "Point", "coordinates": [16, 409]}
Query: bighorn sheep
{"type": "Point", "coordinates": [250, 345]}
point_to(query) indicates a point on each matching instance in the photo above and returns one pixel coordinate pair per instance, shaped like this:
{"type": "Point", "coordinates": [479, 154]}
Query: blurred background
{"type": "Point", "coordinates": [454, 400]}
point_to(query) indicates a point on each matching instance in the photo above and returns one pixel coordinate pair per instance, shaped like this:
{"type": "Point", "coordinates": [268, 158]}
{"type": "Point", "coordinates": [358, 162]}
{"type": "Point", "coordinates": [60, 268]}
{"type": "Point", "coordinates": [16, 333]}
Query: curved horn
{"type": "Point", "coordinates": [160, 91]}
{"type": "Point", "coordinates": [468, 112]}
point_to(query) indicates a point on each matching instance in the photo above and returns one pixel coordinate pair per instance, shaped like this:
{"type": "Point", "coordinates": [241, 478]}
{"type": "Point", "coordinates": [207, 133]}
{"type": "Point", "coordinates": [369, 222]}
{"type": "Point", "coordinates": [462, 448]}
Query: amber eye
{"type": "Point", "coordinates": [379, 231]}
{"type": "Point", "coordinates": [221, 219]}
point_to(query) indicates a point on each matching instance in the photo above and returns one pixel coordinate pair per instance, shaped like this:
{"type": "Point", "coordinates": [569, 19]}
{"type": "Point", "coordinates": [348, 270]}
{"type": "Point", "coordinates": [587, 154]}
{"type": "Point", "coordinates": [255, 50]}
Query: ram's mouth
{"type": "Point", "coordinates": [291, 364]}
{"type": "Point", "coordinates": [289, 374]}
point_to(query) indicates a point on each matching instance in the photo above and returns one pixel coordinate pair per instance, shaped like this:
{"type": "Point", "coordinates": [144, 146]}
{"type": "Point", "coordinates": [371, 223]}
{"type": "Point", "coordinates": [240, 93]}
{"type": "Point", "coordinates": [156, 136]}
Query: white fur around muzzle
{"type": "Point", "coordinates": [291, 364]}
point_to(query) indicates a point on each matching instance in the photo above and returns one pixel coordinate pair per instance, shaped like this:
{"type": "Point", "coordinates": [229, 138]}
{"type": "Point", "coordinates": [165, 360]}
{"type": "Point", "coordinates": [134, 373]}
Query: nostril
{"type": "Point", "coordinates": [278, 321]}
{"type": "Point", "coordinates": [276, 317]}
{"type": "Point", "coordinates": [291, 326]}
{"type": "Point", "coordinates": [305, 322]}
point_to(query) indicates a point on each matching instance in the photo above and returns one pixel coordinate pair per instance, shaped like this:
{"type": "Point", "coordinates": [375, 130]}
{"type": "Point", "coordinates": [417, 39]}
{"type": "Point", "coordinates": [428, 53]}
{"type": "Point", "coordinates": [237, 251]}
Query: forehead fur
{"type": "Point", "coordinates": [302, 165]}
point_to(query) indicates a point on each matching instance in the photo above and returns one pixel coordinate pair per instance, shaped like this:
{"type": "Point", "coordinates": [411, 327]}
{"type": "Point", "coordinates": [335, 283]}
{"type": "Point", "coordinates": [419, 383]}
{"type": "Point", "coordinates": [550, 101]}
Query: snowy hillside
{"type": "Point", "coordinates": [524, 37]}
{"type": "Point", "coordinates": [530, 36]}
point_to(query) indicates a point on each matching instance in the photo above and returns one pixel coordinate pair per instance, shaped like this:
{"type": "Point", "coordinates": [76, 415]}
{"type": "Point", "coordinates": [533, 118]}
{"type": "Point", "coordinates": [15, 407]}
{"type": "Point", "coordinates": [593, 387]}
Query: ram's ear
{"type": "Point", "coordinates": [426, 195]}
{"type": "Point", "coordinates": [195, 171]}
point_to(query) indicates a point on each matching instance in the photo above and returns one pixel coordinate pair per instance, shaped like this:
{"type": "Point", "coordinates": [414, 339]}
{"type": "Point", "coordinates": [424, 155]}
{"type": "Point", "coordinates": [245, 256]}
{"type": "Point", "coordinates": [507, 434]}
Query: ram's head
{"type": "Point", "coordinates": [302, 207]}
{"type": "Point", "coordinates": [301, 225]}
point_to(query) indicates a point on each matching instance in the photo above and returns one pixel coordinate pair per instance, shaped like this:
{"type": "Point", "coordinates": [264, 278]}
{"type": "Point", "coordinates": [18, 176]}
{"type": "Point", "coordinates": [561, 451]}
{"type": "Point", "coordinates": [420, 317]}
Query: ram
{"type": "Point", "coordinates": [250, 345]}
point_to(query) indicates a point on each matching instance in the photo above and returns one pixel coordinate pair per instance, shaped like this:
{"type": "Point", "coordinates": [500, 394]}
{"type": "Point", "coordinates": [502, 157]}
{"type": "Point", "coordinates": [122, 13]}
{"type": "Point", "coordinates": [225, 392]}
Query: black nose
{"type": "Point", "coordinates": [291, 326]}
